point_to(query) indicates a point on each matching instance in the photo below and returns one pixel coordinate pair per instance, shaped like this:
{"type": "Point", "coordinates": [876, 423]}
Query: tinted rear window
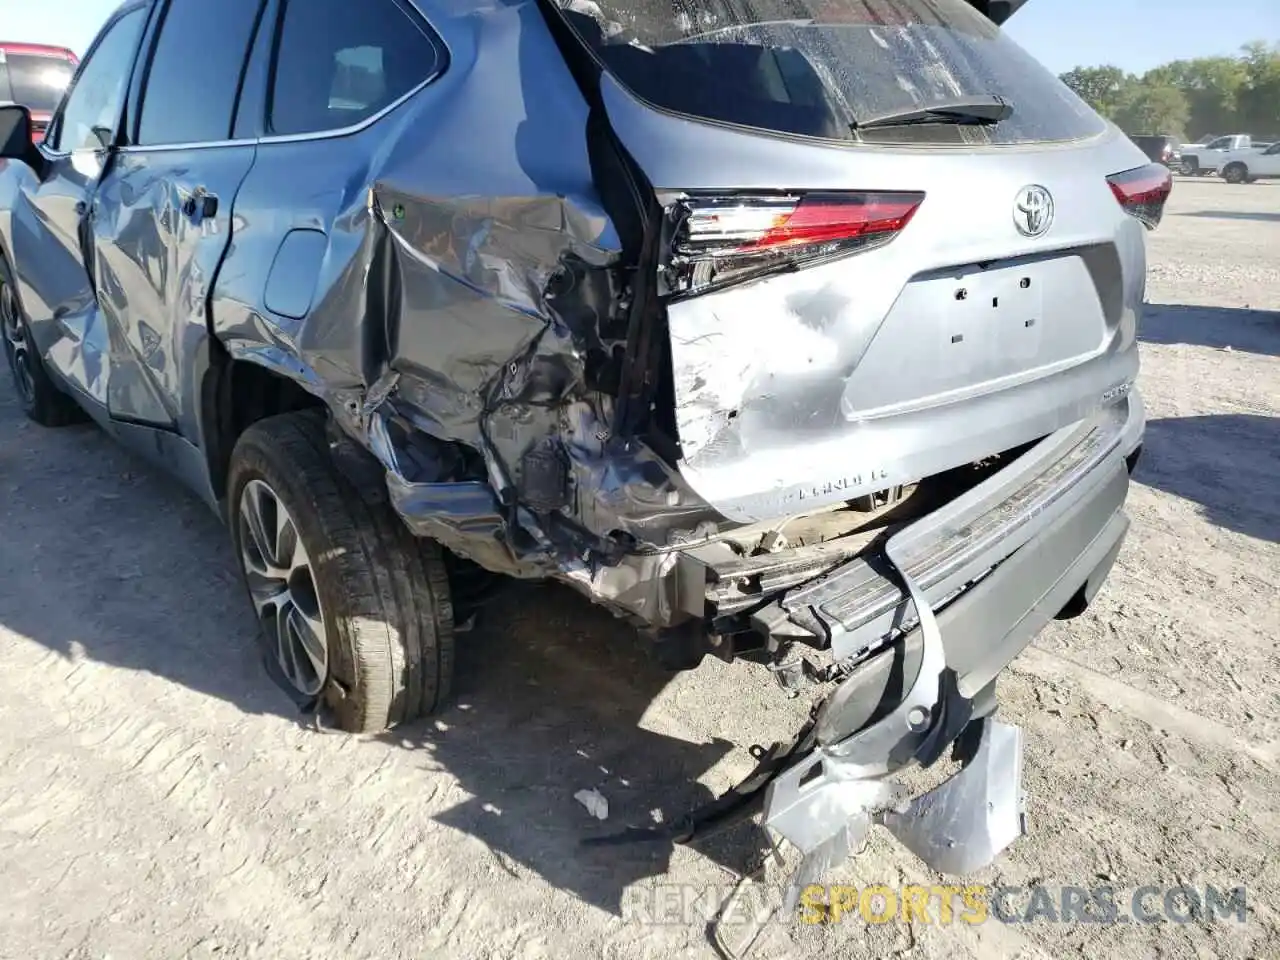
{"type": "Point", "coordinates": [341, 62]}
{"type": "Point", "coordinates": [815, 68]}
{"type": "Point", "coordinates": [34, 81]}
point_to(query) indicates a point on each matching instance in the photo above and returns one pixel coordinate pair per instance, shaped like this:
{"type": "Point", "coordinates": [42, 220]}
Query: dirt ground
{"type": "Point", "coordinates": [159, 800]}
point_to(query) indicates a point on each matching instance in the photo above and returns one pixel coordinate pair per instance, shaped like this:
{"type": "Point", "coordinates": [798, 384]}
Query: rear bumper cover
{"type": "Point", "coordinates": [992, 562]}
{"type": "Point", "coordinates": [996, 565]}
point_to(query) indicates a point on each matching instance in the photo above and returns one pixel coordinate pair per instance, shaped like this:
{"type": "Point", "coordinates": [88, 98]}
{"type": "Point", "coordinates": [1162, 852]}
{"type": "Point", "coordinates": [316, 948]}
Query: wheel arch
{"type": "Point", "coordinates": [237, 390]}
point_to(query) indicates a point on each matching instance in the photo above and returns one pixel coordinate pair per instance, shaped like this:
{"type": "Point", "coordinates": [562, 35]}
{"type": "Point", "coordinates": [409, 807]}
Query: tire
{"type": "Point", "coordinates": [380, 595]}
{"type": "Point", "coordinates": [40, 399]}
{"type": "Point", "coordinates": [1235, 173]}
{"type": "Point", "coordinates": [1190, 167]}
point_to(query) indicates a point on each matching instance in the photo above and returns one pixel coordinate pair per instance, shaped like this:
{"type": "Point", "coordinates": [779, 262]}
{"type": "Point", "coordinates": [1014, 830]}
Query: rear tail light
{"type": "Point", "coordinates": [1143, 192]}
{"type": "Point", "coordinates": [723, 240]}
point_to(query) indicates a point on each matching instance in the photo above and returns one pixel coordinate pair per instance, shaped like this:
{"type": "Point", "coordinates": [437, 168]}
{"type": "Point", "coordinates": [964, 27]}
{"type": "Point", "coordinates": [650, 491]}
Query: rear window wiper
{"type": "Point", "coordinates": [981, 110]}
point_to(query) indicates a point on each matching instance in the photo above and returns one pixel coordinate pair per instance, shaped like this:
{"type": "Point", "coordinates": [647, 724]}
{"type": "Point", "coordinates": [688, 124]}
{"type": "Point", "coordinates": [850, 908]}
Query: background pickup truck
{"type": "Point", "coordinates": [1201, 159]}
{"type": "Point", "coordinates": [1260, 161]}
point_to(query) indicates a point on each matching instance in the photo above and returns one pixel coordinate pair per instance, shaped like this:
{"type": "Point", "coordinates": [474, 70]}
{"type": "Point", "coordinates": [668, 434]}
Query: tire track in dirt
{"type": "Point", "coordinates": [1157, 713]}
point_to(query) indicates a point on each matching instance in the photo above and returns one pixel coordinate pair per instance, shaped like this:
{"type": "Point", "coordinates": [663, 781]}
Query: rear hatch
{"type": "Point", "coordinates": [890, 243]}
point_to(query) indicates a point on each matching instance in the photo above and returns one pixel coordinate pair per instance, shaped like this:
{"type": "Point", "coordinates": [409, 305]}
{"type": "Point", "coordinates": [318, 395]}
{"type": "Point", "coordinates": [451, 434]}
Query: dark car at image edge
{"type": "Point", "coordinates": [1159, 148]}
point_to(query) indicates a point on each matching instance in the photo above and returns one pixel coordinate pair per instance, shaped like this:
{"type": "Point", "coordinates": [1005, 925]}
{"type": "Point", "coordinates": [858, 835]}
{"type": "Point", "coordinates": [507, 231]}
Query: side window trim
{"type": "Point", "coordinates": [260, 26]}
{"type": "Point", "coordinates": [412, 10]}
{"type": "Point", "coordinates": [247, 124]}
{"type": "Point", "coordinates": [138, 84]}
{"type": "Point", "coordinates": [277, 8]}
{"type": "Point", "coordinates": [141, 68]}
{"type": "Point", "coordinates": [55, 123]}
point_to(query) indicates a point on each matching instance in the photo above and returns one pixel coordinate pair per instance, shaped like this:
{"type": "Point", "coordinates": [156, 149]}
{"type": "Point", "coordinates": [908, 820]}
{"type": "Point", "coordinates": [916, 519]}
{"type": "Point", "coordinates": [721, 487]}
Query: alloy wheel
{"type": "Point", "coordinates": [283, 588]}
{"type": "Point", "coordinates": [13, 332]}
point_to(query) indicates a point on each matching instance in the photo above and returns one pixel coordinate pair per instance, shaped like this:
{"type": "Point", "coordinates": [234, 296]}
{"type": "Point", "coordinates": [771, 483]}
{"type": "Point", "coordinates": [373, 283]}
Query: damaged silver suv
{"type": "Point", "coordinates": [793, 331]}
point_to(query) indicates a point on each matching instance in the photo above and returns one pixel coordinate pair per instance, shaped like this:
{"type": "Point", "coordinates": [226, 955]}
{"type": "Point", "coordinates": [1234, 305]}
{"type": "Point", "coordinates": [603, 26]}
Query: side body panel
{"type": "Point", "coordinates": [465, 289]}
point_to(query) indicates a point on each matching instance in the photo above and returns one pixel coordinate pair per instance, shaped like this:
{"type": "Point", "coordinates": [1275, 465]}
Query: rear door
{"type": "Point", "coordinates": [162, 218]}
{"type": "Point", "coordinates": [325, 98]}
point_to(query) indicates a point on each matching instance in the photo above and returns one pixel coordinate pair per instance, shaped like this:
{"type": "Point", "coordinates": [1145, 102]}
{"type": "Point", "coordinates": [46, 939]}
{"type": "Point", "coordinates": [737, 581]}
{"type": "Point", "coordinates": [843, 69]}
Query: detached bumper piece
{"type": "Point", "coordinates": [823, 798]}
{"type": "Point", "coordinates": [965, 823]}
{"type": "Point", "coordinates": [825, 804]}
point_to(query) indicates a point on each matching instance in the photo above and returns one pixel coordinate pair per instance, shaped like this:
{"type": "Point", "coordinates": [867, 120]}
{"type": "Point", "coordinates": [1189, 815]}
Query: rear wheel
{"type": "Point", "coordinates": [41, 400]}
{"type": "Point", "coordinates": [1235, 173]}
{"type": "Point", "coordinates": [354, 610]}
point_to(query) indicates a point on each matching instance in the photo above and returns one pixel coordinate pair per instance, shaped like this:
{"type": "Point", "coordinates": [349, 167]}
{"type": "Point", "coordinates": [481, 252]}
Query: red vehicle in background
{"type": "Point", "coordinates": [35, 76]}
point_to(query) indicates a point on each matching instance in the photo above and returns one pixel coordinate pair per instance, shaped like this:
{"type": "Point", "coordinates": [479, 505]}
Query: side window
{"type": "Point", "coordinates": [1273, 150]}
{"type": "Point", "coordinates": [92, 108]}
{"type": "Point", "coordinates": [339, 63]}
{"type": "Point", "coordinates": [191, 85]}
{"type": "Point", "coordinates": [1220, 144]}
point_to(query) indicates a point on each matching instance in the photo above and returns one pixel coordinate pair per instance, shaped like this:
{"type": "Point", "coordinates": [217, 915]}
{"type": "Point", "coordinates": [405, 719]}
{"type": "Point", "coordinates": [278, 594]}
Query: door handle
{"type": "Point", "coordinates": [200, 205]}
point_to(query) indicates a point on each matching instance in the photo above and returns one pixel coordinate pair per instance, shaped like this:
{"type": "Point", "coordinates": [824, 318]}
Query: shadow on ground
{"type": "Point", "coordinates": [1229, 464]}
{"type": "Point", "coordinates": [103, 558]}
{"type": "Point", "coordinates": [551, 693]}
{"type": "Point", "coordinates": [1254, 331]}
{"type": "Point", "coordinates": [1263, 216]}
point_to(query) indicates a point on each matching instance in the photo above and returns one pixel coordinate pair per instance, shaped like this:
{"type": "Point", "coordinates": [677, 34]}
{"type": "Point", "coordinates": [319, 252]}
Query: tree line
{"type": "Point", "coordinates": [1190, 99]}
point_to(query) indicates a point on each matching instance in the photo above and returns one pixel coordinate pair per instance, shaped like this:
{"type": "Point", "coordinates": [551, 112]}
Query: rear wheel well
{"type": "Point", "coordinates": [236, 395]}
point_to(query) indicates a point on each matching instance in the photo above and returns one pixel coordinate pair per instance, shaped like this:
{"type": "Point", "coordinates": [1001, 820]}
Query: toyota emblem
{"type": "Point", "coordinates": [1033, 211]}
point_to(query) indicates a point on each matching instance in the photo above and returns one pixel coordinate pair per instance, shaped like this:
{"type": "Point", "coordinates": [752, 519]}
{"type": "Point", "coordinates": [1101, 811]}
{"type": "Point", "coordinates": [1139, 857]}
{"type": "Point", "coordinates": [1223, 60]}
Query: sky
{"type": "Point", "coordinates": [1133, 34]}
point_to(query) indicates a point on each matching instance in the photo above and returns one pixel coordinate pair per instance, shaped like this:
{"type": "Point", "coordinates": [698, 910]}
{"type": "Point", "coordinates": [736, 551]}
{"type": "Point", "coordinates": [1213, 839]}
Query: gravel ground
{"type": "Point", "coordinates": [157, 799]}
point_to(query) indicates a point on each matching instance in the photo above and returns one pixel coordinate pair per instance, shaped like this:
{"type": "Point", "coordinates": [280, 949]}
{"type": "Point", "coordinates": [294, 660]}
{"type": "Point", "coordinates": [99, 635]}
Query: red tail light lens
{"type": "Point", "coordinates": [1143, 192]}
{"type": "Point", "coordinates": [723, 240]}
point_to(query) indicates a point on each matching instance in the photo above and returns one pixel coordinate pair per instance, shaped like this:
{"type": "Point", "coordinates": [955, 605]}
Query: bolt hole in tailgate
{"type": "Point", "coordinates": [968, 330]}
{"type": "Point", "coordinates": [834, 382]}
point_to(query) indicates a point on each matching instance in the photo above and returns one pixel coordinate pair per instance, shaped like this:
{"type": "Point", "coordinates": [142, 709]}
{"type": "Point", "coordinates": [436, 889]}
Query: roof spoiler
{"type": "Point", "coordinates": [998, 11]}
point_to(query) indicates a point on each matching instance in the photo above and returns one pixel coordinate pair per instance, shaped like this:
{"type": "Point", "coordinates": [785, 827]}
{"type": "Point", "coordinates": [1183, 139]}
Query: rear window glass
{"type": "Point", "coordinates": [37, 82]}
{"type": "Point", "coordinates": [342, 62]}
{"type": "Point", "coordinates": [817, 68]}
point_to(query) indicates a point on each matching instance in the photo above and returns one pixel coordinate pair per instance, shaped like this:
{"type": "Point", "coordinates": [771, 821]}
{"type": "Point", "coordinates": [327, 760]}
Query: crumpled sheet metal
{"type": "Point", "coordinates": [964, 824]}
{"type": "Point", "coordinates": [813, 800]}
{"type": "Point", "coordinates": [472, 293]}
{"type": "Point", "coordinates": [827, 800]}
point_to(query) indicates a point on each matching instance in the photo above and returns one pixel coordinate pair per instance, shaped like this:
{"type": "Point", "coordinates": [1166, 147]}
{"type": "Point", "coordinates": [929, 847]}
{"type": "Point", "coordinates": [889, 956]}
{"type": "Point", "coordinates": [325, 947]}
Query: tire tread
{"type": "Point", "coordinates": [395, 619]}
